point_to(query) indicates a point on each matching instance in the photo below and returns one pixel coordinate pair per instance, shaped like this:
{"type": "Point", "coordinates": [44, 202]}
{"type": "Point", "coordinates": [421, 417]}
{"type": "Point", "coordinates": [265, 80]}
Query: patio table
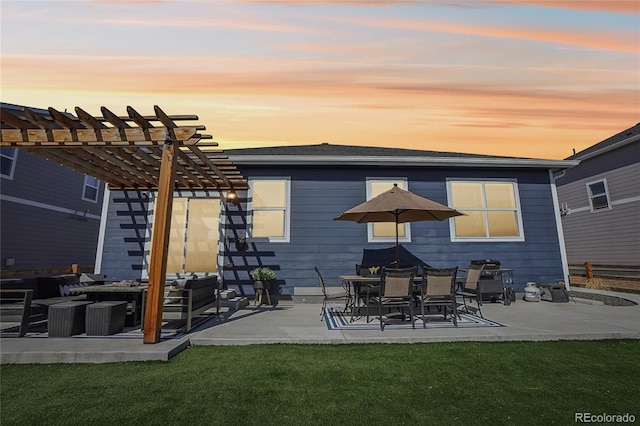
{"type": "Point", "coordinates": [355, 281]}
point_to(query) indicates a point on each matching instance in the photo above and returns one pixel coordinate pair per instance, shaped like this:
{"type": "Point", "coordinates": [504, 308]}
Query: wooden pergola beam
{"type": "Point", "coordinates": [128, 152]}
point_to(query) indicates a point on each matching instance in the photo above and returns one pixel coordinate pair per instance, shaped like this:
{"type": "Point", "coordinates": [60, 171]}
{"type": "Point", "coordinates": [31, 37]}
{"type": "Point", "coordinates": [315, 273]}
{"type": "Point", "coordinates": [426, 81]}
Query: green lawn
{"type": "Point", "coordinates": [369, 384]}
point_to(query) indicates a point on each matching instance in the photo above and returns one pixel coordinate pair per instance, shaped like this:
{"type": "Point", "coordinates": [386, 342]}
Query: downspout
{"type": "Point", "coordinates": [559, 230]}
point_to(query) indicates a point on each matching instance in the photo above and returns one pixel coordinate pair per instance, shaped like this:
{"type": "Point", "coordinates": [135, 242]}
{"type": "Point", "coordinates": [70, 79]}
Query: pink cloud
{"type": "Point", "coordinates": [618, 41]}
{"type": "Point", "coordinates": [622, 6]}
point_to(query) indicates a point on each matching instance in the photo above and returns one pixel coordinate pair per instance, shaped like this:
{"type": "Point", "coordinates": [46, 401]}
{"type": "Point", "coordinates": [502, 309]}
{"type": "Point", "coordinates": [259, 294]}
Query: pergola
{"type": "Point", "coordinates": [129, 152]}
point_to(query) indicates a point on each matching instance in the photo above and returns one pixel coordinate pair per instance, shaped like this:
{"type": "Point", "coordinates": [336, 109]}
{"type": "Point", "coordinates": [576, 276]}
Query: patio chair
{"type": "Point", "coordinates": [360, 289]}
{"type": "Point", "coordinates": [470, 287]}
{"type": "Point", "coordinates": [331, 296]}
{"type": "Point", "coordinates": [396, 291]}
{"type": "Point", "coordinates": [439, 289]}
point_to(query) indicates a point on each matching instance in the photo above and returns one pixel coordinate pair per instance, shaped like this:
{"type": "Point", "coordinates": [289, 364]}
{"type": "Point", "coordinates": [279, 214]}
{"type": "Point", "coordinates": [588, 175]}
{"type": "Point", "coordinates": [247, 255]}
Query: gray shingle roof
{"type": "Point", "coordinates": [609, 142]}
{"type": "Point", "coordinates": [326, 149]}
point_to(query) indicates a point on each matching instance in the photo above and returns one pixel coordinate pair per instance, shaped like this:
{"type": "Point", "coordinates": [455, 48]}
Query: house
{"type": "Point", "coordinates": [295, 192]}
{"type": "Point", "coordinates": [600, 201]}
{"type": "Point", "coordinates": [50, 214]}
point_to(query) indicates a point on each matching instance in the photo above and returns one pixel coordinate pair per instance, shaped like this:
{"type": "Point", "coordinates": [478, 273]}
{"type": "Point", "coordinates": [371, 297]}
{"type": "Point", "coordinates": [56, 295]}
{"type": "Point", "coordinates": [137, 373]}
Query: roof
{"type": "Point", "coordinates": [632, 134]}
{"type": "Point", "coordinates": [327, 154]}
{"type": "Point", "coordinates": [124, 151]}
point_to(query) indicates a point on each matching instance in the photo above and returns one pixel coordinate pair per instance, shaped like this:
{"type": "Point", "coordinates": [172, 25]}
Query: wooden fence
{"type": "Point", "coordinates": [590, 270]}
{"type": "Point", "coordinates": [17, 273]}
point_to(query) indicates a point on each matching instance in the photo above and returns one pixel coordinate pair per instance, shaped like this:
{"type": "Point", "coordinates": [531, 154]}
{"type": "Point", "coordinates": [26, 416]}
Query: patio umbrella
{"type": "Point", "coordinates": [398, 206]}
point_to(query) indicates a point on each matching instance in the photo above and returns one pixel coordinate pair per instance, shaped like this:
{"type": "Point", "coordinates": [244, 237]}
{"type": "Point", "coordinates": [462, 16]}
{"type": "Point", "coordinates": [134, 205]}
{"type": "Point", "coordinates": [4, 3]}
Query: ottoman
{"type": "Point", "coordinates": [67, 318]}
{"type": "Point", "coordinates": [106, 318]}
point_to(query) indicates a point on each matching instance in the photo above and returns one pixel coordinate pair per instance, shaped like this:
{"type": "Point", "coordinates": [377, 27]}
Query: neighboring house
{"type": "Point", "coordinates": [600, 202]}
{"type": "Point", "coordinates": [295, 192]}
{"type": "Point", "coordinates": [49, 214]}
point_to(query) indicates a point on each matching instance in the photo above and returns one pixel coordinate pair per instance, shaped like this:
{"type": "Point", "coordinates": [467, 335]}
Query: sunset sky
{"type": "Point", "coordinates": [521, 78]}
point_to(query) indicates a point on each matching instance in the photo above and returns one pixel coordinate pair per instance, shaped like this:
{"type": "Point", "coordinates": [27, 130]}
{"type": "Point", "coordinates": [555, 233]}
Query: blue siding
{"type": "Point", "coordinates": [318, 195]}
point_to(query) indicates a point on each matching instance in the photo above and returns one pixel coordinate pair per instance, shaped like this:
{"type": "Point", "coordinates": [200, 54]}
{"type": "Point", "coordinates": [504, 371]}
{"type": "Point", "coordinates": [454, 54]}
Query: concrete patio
{"type": "Point", "coordinates": [300, 323]}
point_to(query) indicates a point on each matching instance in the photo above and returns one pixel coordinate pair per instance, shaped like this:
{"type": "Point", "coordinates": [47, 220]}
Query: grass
{"type": "Point", "coordinates": [368, 384]}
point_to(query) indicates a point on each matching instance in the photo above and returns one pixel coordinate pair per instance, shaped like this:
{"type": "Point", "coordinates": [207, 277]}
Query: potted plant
{"type": "Point", "coordinates": [262, 278]}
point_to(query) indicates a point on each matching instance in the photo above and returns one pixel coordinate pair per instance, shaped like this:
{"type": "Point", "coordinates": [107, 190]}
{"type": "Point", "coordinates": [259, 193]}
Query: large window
{"type": "Point", "coordinates": [8, 162]}
{"type": "Point", "coordinates": [598, 195]}
{"type": "Point", "coordinates": [385, 231]}
{"type": "Point", "coordinates": [491, 210]}
{"type": "Point", "coordinates": [91, 189]}
{"type": "Point", "coordinates": [193, 238]}
{"type": "Point", "coordinates": [269, 204]}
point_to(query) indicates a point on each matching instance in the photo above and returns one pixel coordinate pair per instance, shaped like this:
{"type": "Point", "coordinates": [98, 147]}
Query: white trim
{"type": "Point", "coordinates": [31, 203]}
{"type": "Point", "coordinates": [407, 226]}
{"type": "Point", "coordinates": [484, 162]}
{"type": "Point", "coordinates": [625, 200]}
{"type": "Point", "coordinates": [608, 148]}
{"type": "Point", "coordinates": [560, 231]}
{"type": "Point", "coordinates": [97, 188]}
{"type": "Point", "coordinates": [287, 211]}
{"type": "Point", "coordinates": [13, 164]}
{"type": "Point", "coordinates": [606, 193]}
{"type": "Point", "coordinates": [612, 202]}
{"type": "Point", "coordinates": [103, 231]}
{"type": "Point", "coordinates": [518, 209]}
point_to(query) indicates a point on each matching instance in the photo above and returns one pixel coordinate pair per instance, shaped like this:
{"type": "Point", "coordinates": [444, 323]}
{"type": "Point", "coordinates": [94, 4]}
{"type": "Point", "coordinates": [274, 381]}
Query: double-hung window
{"type": "Point", "coordinates": [269, 203]}
{"type": "Point", "coordinates": [91, 189]}
{"type": "Point", "coordinates": [386, 231]}
{"type": "Point", "coordinates": [8, 162]}
{"type": "Point", "coordinates": [598, 195]}
{"type": "Point", "coordinates": [491, 211]}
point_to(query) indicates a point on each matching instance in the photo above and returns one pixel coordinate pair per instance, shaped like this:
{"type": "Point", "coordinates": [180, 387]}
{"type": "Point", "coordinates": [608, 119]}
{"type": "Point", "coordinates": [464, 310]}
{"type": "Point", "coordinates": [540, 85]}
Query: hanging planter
{"type": "Point", "coordinates": [241, 244]}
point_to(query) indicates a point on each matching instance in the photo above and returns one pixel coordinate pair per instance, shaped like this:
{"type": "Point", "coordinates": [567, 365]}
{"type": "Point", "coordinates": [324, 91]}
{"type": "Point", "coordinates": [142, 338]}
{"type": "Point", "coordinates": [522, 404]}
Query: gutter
{"type": "Point", "coordinates": [401, 161]}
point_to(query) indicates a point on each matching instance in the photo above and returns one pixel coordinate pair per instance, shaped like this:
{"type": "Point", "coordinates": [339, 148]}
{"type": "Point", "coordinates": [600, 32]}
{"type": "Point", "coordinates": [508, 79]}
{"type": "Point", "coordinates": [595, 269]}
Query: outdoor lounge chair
{"type": "Point", "coordinates": [331, 296]}
{"type": "Point", "coordinates": [439, 289]}
{"type": "Point", "coordinates": [471, 289]}
{"type": "Point", "coordinates": [396, 291]}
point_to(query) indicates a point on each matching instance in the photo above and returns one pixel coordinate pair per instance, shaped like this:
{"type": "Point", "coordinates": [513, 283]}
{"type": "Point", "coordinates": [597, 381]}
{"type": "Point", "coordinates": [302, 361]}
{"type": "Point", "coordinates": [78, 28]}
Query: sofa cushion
{"type": "Point", "coordinates": [20, 284]}
{"type": "Point", "coordinates": [49, 287]}
{"type": "Point", "coordinates": [195, 283]}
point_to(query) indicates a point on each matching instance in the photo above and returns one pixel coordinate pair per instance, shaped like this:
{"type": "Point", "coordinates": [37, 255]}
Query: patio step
{"type": "Point", "coordinates": [234, 303]}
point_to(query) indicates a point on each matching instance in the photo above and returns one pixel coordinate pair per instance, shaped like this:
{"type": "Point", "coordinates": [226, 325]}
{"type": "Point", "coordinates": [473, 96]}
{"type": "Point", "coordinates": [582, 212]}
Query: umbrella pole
{"type": "Point", "coordinates": [397, 246]}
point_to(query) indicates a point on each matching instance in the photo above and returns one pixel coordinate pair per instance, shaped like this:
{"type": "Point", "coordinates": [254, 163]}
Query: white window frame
{"type": "Point", "coordinates": [407, 226]}
{"type": "Point", "coordinates": [591, 196]}
{"type": "Point", "coordinates": [13, 164]}
{"type": "Point", "coordinates": [197, 194]}
{"type": "Point", "coordinates": [87, 184]}
{"type": "Point", "coordinates": [287, 207]}
{"type": "Point", "coordinates": [518, 208]}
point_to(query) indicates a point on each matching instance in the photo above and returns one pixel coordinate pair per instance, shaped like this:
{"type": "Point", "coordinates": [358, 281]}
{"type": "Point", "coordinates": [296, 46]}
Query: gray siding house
{"type": "Point", "coordinates": [295, 192]}
{"type": "Point", "coordinates": [49, 214]}
{"type": "Point", "coordinates": [600, 202]}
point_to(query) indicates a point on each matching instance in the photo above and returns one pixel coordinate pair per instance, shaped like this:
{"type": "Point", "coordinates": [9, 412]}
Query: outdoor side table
{"type": "Point", "coordinates": [105, 318]}
{"type": "Point", "coordinates": [67, 318]}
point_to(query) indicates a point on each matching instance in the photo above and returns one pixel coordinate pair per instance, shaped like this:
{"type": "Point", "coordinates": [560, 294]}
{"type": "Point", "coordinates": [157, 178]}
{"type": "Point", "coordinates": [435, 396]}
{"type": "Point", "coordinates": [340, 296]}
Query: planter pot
{"type": "Point", "coordinates": [241, 245]}
{"type": "Point", "coordinates": [261, 285]}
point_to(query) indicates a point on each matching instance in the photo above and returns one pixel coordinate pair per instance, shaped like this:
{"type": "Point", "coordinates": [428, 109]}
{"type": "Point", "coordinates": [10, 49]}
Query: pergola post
{"type": "Point", "coordinates": [160, 244]}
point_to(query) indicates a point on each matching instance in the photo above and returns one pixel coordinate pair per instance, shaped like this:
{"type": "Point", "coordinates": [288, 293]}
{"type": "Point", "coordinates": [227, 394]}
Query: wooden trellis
{"type": "Point", "coordinates": [125, 152]}
{"type": "Point", "coordinates": [128, 152]}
